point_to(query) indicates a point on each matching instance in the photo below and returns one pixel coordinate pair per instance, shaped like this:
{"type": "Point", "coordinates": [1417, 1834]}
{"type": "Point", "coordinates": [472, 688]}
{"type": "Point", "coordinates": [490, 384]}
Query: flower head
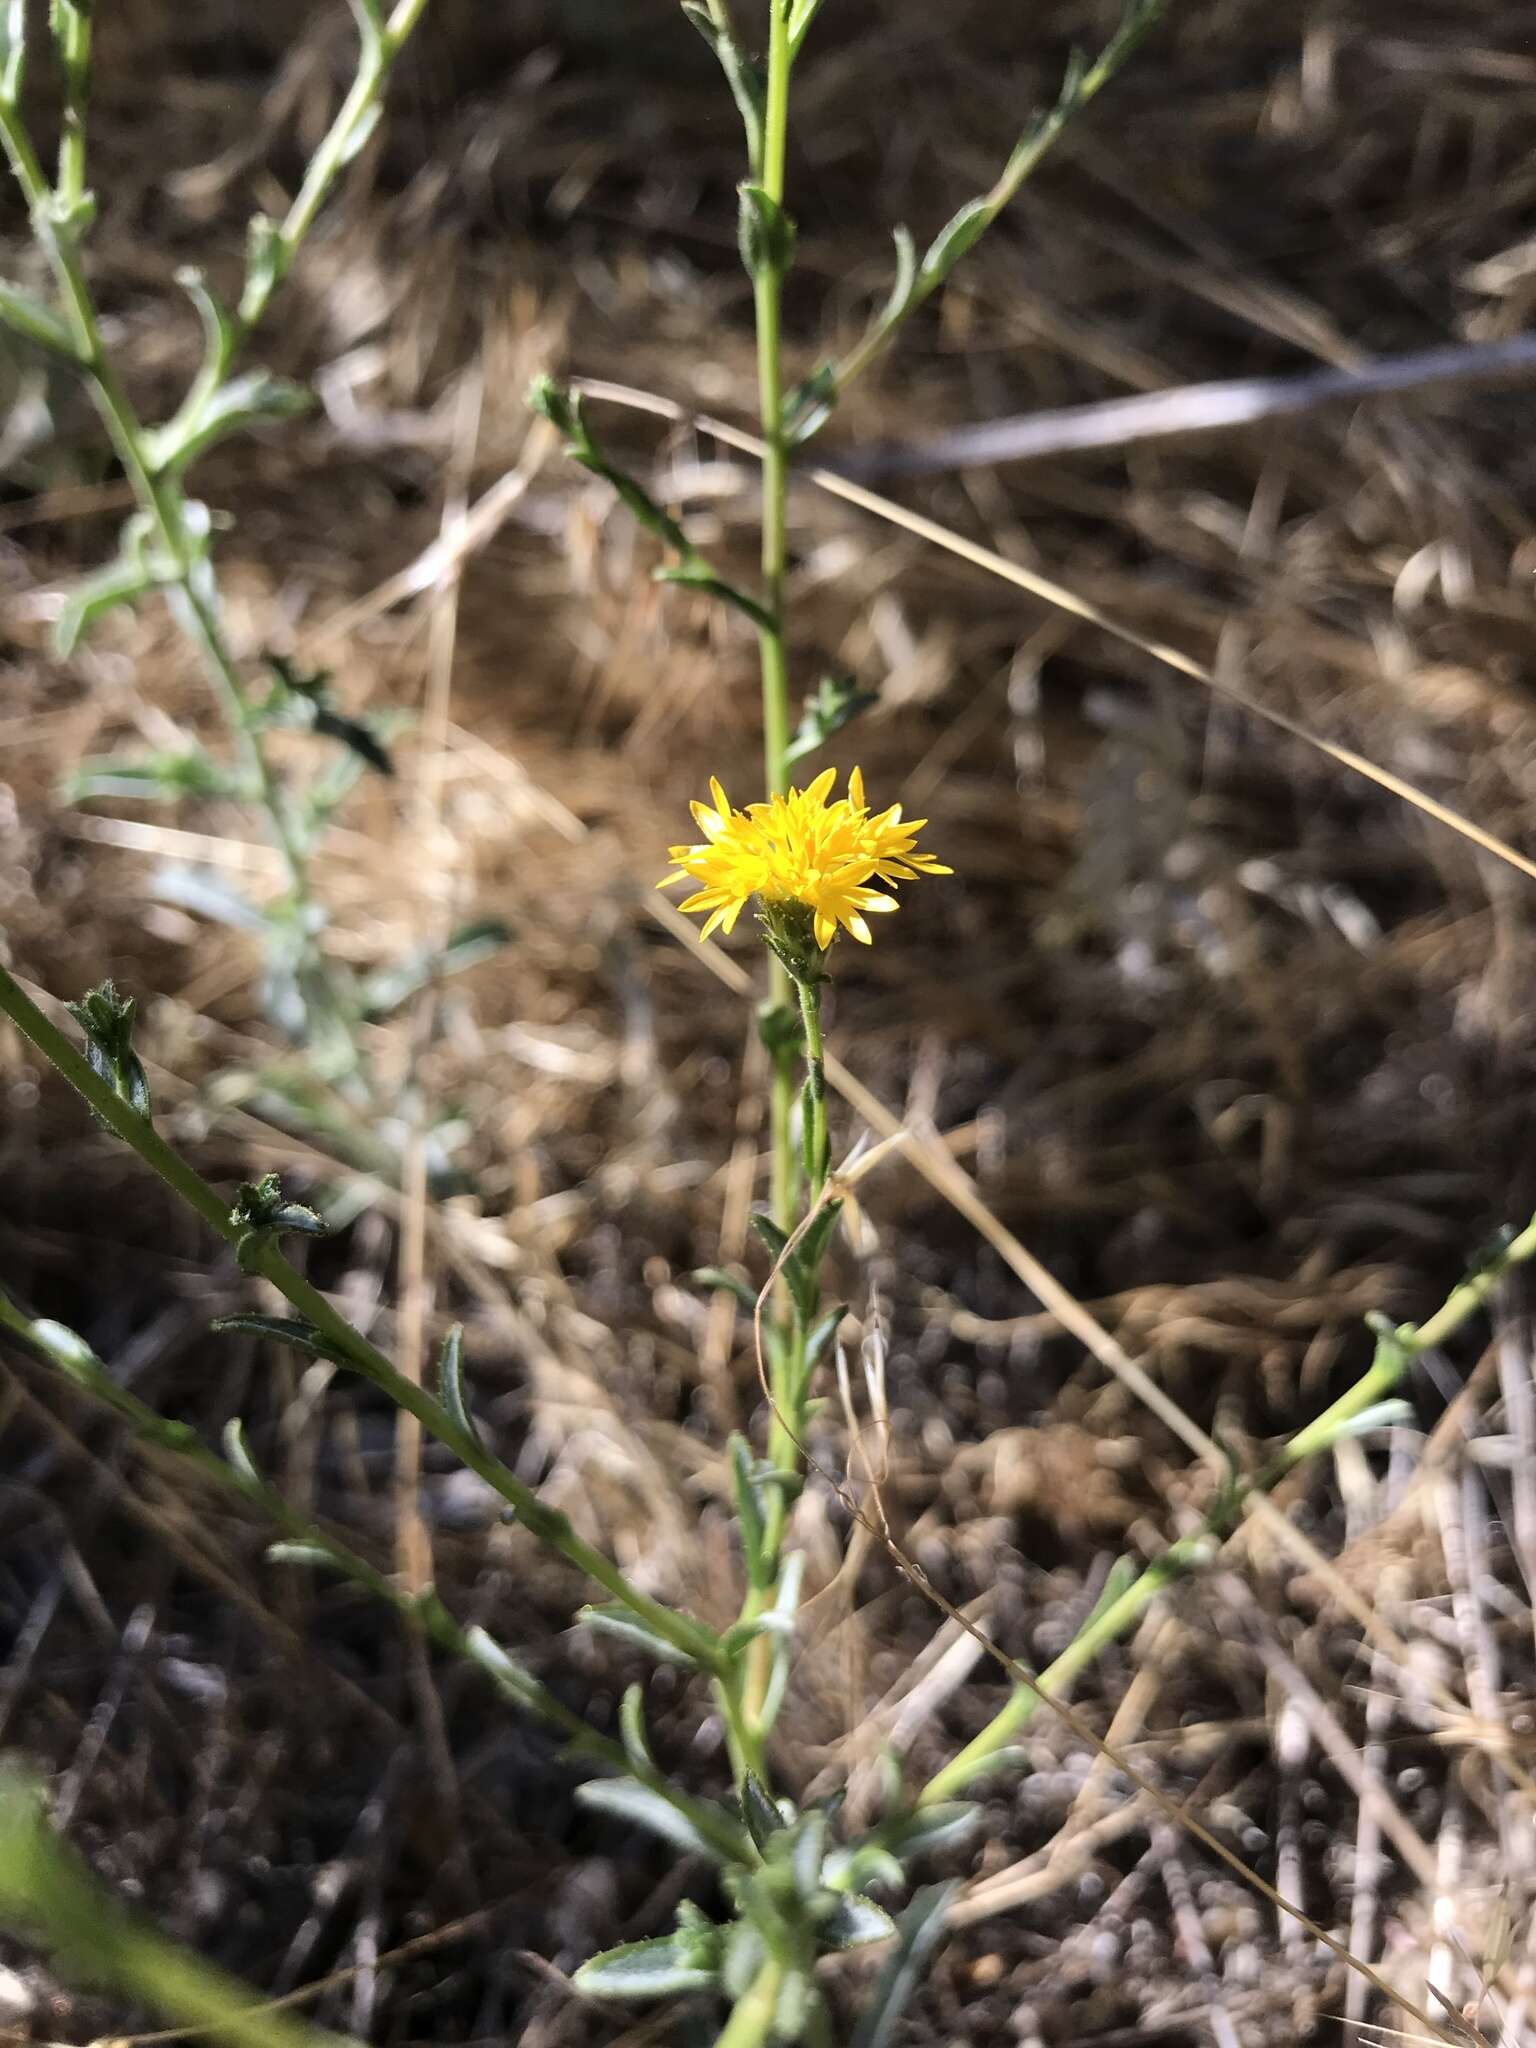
{"type": "Point", "coordinates": [800, 849]}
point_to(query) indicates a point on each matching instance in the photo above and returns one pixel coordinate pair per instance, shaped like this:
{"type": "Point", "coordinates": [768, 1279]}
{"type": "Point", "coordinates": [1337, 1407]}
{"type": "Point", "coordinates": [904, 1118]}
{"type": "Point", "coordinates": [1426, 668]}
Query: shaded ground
{"type": "Point", "coordinates": [1238, 1044]}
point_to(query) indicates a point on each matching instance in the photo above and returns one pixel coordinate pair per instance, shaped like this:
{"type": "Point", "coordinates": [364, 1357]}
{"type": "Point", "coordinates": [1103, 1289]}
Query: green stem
{"type": "Point", "coordinates": [817, 1150]}
{"type": "Point", "coordinates": [1396, 1349]}
{"type": "Point", "coordinates": [768, 296]}
{"type": "Point", "coordinates": [751, 2022]}
{"type": "Point", "coordinates": [75, 57]}
{"type": "Point", "coordinates": [70, 1356]}
{"type": "Point", "coordinates": [551, 1527]}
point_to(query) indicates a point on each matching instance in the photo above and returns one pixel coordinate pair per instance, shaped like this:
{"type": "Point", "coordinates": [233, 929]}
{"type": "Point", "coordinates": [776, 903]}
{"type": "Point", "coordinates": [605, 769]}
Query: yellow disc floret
{"type": "Point", "coordinates": [799, 848]}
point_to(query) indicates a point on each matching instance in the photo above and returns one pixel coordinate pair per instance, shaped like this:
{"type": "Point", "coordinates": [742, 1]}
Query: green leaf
{"type": "Point", "coordinates": [219, 334]}
{"type": "Point", "coordinates": [632, 1731]}
{"type": "Point", "coordinates": [266, 258]}
{"type": "Point", "coordinates": [614, 1619]}
{"type": "Point", "coordinates": [918, 1933]}
{"type": "Point", "coordinates": [762, 1817]}
{"type": "Point", "coordinates": [106, 1021]}
{"type": "Point", "coordinates": [802, 15]}
{"type": "Point", "coordinates": [821, 1333]}
{"type": "Point", "coordinates": [237, 1455]}
{"type": "Point", "coordinates": [13, 49]}
{"type": "Point", "coordinates": [628, 1800]}
{"type": "Point", "coordinates": [166, 778]}
{"type": "Point", "coordinates": [952, 241]}
{"type": "Point", "coordinates": [930, 1828]}
{"type": "Point", "coordinates": [765, 233]}
{"type": "Point", "coordinates": [29, 317]}
{"type": "Point", "coordinates": [357, 141]}
{"type": "Point", "coordinates": [838, 701]}
{"type": "Point", "coordinates": [88, 602]}
{"type": "Point", "coordinates": [293, 1331]}
{"type": "Point", "coordinates": [785, 1605]}
{"type": "Point", "coordinates": [230, 409]}
{"type": "Point", "coordinates": [744, 1955]}
{"type": "Point", "coordinates": [262, 1214]}
{"type": "Point", "coordinates": [726, 1283]}
{"type": "Point", "coordinates": [745, 79]}
{"type": "Point", "coordinates": [855, 1920]}
{"type": "Point", "coordinates": [665, 1967]}
{"type": "Point", "coordinates": [471, 944]}
{"type": "Point", "coordinates": [450, 1382]}
{"type": "Point", "coordinates": [808, 1854]}
{"type": "Point", "coordinates": [770, 1233]}
{"type": "Point", "coordinates": [749, 1512]}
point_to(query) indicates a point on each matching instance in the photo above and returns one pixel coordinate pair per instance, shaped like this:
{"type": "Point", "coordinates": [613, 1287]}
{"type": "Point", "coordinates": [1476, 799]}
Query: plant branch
{"type": "Point", "coordinates": [1397, 1346]}
{"type": "Point", "coordinates": [344, 1343]}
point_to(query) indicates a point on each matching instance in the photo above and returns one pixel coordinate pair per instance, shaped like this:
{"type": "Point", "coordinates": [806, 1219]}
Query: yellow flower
{"type": "Point", "coordinates": [800, 849]}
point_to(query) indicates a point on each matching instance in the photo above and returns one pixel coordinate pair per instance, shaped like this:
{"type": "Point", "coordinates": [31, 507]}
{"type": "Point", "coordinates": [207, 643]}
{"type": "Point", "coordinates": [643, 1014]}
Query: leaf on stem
{"type": "Point", "coordinates": [627, 1799]}
{"type": "Point", "coordinates": [106, 1021]}
{"type": "Point", "coordinates": [615, 1619]}
{"type": "Point", "coordinates": [744, 77]}
{"type": "Point", "coordinates": [918, 1933]}
{"type": "Point", "coordinates": [169, 777]}
{"type": "Point", "coordinates": [855, 1920]}
{"type": "Point", "coordinates": [135, 570]}
{"type": "Point", "coordinates": [262, 1213]}
{"type": "Point", "coordinates": [838, 701]}
{"type": "Point", "coordinates": [293, 1331]}
{"type": "Point", "coordinates": [666, 1967]}
{"type": "Point", "coordinates": [762, 1817]}
{"type": "Point", "coordinates": [450, 1383]}
{"type": "Point", "coordinates": [31, 319]}
{"type": "Point", "coordinates": [471, 944]}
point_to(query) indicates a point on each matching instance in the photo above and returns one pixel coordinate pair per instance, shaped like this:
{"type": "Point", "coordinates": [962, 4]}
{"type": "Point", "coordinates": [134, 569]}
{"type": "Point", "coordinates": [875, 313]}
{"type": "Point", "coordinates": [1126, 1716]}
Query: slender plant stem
{"type": "Point", "coordinates": [1396, 1350]}
{"type": "Point", "coordinates": [768, 294]}
{"type": "Point", "coordinates": [347, 1344]}
{"type": "Point", "coordinates": [815, 1094]}
{"type": "Point", "coordinates": [751, 2022]}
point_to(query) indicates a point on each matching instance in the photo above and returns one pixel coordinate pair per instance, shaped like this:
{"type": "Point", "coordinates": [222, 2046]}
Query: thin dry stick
{"type": "Point", "coordinates": [1066, 601]}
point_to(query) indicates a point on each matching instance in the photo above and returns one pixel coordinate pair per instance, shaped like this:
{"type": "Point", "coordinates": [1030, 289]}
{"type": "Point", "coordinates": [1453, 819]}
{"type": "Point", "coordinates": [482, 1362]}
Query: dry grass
{"type": "Point", "coordinates": [1234, 1042]}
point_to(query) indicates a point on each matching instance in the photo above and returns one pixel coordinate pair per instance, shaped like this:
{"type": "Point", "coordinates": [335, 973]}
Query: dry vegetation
{"type": "Point", "coordinates": [1236, 1043]}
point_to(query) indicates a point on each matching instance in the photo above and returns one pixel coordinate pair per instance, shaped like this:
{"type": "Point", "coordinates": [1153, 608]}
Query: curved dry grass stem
{"type": "Point", "coordinates": [1061, 599]}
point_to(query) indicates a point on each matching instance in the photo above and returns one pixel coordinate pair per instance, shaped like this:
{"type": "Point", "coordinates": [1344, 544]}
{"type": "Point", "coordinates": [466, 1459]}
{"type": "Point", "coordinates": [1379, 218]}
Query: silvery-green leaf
{"type": "Point", "coordinates": [627, 1799]}
{"type": "Point", "coordinates": [663, 1968]}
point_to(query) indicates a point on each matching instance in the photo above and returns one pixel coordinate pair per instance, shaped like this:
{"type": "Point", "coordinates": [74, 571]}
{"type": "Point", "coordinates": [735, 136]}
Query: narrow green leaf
{"type": "Point", "coordinates": [30, 318]}
{"type": "Point", "coordinates": [919, 1932]}
{"type": "Point", "coordinates": [726, 1283]}
{"type": "Point", "coordinates": [749, 1512]}
{"type": "Point", "coordinates": [293, 1331]}
{"type": "Point", "coordinates": [765, 233]}
{"type": "Point", "coordinates": [762, 1817]}
{"type": "Point", "coordinates": [237, 1455]}
{"type": "Point", "coordinates": [450, 1382]}
{"type": "Point", "coordinates": [745, 79]}
{"type": "Point", "coordinates": [632, 1731]}
{"type": "Point", "coordinates": [770, 1233]}
{"type": "Point", "coordinates": [662, 1968]}
{"type": "Point", "coordinates": [855, 1920]}
{"type": "Point", "coordinates": [88, 602]}
{"type": "Point", "coordinates": [628, 1800]}
{"type": "Point", "coordinates": [614, 1619]}
{"type": "Point", "coordinates": [958, 235]}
